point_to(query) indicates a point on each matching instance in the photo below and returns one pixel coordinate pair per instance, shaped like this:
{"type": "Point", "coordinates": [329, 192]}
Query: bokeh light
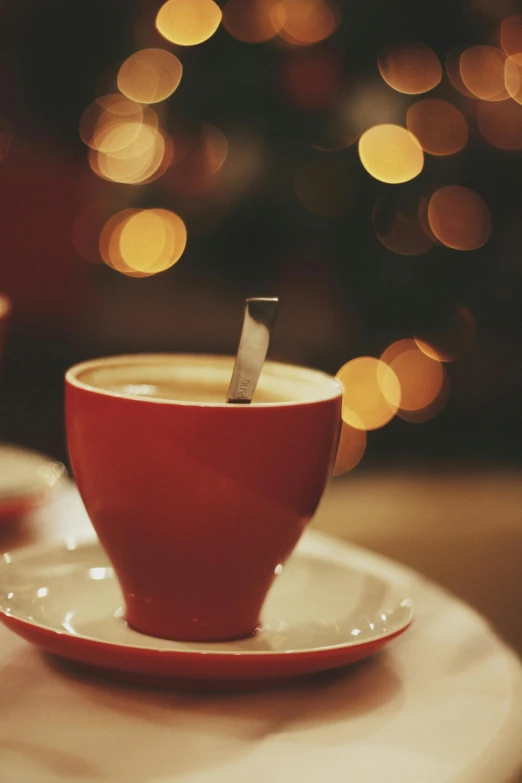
{"type": "Point", "coordinates": [188, 22]}
{"type": "Point", "coordinates": [391, 153]}
{"type": "Point", "coordinates": [305, 22]}
{"type": "Point", "coordinates": [410, 68]}
{"type": "Point", "coordinates": [139, 162]}
{"type": "Point", "coordinates": [102, 122]}
{"type": "Point", "coordinates": [143, 242]}
{"type": "Point", "coordinates": [513, 77]}
{"type": "Point", "coordinates": [511, 35]}
{"type": "Point", "coordinates": [452, 64]}
{"type": "Point", "coordinates": [371, 393]}
{"type": "Point", "coordinates": [419, 376]}
{"type": "Point", "coordinates": [450, 340]}
{"type": "Point", "coordinates": [150, 75]}
{"type": "Point", "coordinates": [352, 445]}
{"type": "Point", "coordinates": [482, 71]}
{"type": "Point", "coordinates": [501, 124]}
{"type": "Point", "coordinates": [325, 186]}
{"type": "Point", "coordinates": [421, 415]}
{"type": "Point", "coordinates": [252, 21]}
{"type": "Point", "coordinates": [459, 218]}
{"type": "Point", "coordinates": [439, 127]}
{"type": "Point", "coordinates": [398, 227]}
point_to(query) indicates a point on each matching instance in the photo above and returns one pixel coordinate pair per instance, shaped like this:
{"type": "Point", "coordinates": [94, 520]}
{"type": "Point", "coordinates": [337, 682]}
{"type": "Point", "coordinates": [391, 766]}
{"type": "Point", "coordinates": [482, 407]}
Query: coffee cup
{"type": "Point", "coordinates": [198, 503]}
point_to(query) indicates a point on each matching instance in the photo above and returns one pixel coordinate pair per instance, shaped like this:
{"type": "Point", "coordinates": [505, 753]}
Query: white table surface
{"type": "Point", "coordinates": [443, 704]}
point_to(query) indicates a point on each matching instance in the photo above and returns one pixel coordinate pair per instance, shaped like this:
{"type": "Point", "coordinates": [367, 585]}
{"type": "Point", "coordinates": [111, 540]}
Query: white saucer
{"type": "Point", "coordinates": [333, 604]}
{"type": "Point", "coordinates": [27, 479]}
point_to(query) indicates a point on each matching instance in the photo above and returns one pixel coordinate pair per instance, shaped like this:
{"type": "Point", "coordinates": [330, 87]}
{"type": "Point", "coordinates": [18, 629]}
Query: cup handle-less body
{"type": "Point", "coordinates": [196, 506]}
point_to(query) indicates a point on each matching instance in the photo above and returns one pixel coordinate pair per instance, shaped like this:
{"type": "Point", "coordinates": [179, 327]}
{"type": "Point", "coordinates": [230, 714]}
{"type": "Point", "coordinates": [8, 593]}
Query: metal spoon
{"type": "Point", "coordinates": [258, 323]}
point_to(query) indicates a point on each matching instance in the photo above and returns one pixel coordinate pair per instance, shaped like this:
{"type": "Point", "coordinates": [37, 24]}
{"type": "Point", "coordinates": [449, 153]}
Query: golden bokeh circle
{"type": "Point", "coordinates": [252, 21]}
{"type": "Point", "coordinates": [352, 445]}
{"type": "Point", "coordinates": [419, 376]}
{"type": "Point", "coordinates": [188, 22]}
{"type": "Point", "coordinates": [371, 393]}
{"type": "Point", "coordinates": [305, 22]}
{"type": "Point", "coordinates": [482, 71]}
{"type": "Point", "coordinates": [411, 68]}
{"type": "Point", "coordinates": [459, 218]}
{"type": "Point", "coordinates": [513, 77]}
{"type": "Point", "coordinates": [143, 242]}
{"type": "Point", "coordinates": [439, 127]}
{"type": "Point", "coordinates": [511, 35]}
{"type": "Point", "coordinates": [150, 75]}
{"type": "Point", "coordinates": [390, 153]}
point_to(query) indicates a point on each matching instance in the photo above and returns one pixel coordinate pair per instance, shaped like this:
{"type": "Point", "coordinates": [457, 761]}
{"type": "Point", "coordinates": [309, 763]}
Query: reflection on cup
{"type": "Point", "coordinates": [198, 502]}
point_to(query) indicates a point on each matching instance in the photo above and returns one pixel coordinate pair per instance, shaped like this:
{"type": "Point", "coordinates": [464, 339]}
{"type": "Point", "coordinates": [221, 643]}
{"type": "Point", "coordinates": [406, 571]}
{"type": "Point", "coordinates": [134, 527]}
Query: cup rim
{"type": "Point", "coordinates": [332, 387]}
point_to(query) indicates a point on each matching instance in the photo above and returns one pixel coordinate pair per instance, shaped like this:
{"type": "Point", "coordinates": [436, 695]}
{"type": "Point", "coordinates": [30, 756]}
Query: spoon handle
{"type": "Point", "coordinates": [258, 323]}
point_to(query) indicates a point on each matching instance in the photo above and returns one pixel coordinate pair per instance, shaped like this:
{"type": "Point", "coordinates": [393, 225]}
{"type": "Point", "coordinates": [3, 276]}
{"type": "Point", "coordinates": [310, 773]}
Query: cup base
{"type": "Point", "coordinates": [200, 632]}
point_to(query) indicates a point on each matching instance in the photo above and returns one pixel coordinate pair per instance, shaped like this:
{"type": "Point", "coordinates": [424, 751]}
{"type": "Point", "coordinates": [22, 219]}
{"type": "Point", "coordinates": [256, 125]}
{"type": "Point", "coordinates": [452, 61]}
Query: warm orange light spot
{"type": "Point", "coordinates": [371, 393]}
{"type": "Point", "coordinates": [452, 64]}
{"type": "Point", "coordinates": [306, 21]}
{"type": "Point", "coordinates": [459, 218]}
{"type": "Point", "coordinates": [398, 227]}
{"type": "Point", "coordinates": [391, 154]}
{"type": "Point", "coordinates": [136, 163]}
{"type": "Point", "coordinates": [511, 35]}
{"type": "Point", "coordinates": [352, 446]}
{"type": "Point", "coordinates": [513, 77]}
{"type": "Point", "coordinates": [482, 71]}
{"type": "Point", "coordinates": [141, 243]}
{"type": "Point", "coordinates": [310, 78]}
{"type": "Point", "coordinates": [325, 186]}
{"type": "Point", "coordinates": [5, 305]}
{"type": "Point", "coordinates": [433, 408]}
{"type": "Point", "coordinates": [109, 242]}
{"type": "Point", "coordinates": [501, 124]}
{"type": "Point", "coordinates": [188, 22]}
{"type": "Point", "coordinates": [439, 127]}
{"type": "Point", "coordinates": [150, 75]}
{"type": "Point", "coordinates": [251, 21]}
{"type": "Point", "coordinates": [420, 377]}
{"type": "Point", "coordinates": [102, 119]}
{"type": "Point", "coordinates": [410, 68]}
{"type": "Point", "coordinates": [450, 340]}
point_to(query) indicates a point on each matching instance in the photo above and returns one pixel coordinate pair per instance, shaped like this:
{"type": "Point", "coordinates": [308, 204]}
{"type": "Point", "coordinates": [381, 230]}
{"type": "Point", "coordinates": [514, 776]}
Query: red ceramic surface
{"type": "Point", "coordinates": [198, 504]}
{"type": "Point", "coordinates": [331, 605]}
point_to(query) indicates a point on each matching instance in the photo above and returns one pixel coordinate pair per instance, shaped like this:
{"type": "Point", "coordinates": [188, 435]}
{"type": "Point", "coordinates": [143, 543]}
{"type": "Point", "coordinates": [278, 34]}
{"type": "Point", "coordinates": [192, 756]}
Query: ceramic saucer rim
{"type": "Point", "coordinates": [64, 544]}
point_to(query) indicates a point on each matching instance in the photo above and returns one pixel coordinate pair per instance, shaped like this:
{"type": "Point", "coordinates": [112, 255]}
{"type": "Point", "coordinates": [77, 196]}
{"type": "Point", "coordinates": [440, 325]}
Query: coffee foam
{"type": "Point", "coordinates": [198, 379]}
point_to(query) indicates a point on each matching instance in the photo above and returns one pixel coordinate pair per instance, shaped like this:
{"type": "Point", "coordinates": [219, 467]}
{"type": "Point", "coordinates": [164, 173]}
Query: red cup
{"type": "Point", "coordinates": [197, 502]}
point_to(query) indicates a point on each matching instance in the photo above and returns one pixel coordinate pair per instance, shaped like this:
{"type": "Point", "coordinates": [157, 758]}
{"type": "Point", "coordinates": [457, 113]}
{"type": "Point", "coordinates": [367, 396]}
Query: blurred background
{"type": "Point", "coordinates": [360, 160]}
